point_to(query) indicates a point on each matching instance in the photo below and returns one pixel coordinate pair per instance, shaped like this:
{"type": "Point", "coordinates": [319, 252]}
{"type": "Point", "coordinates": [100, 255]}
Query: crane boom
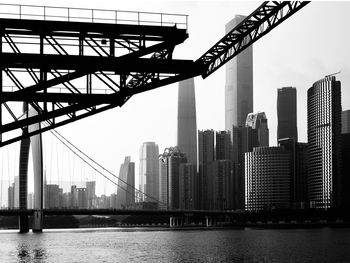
{"type": "Point", "coordinates": [266, 17]}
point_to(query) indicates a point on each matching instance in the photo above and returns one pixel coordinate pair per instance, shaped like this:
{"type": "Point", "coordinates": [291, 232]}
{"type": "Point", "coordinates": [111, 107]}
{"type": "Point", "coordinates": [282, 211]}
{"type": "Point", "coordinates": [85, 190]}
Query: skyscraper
{"type": "Point", "coordinates": [126, 183]}
{"type": "Point", "coordinates": [206, 157]}
{"type": "Point", "coordinates": [149, 171]}
{"type": "Point", "coordinates": [187, 175]}
{"type": "Point", "coordinates": [169, 168]}
{"type": "Point", "coordinates": [223, 147]}
{"type": "Point", "coordinates": [258, 123]}
{"type": "Point", "coordinates": [186, 121]}
{"type": "Point", "coordinates": [324, 138]}
{"type": "Point", "coordinates": [267, 178]}
{"type": "Point", "coordinates": [345, 121]}
{"type": "Point", "coordinates": [287, 113]}
{"type": "Point", "coordinates": [90, 193]}
{"type": "Point", "coordinates": [239, 84]}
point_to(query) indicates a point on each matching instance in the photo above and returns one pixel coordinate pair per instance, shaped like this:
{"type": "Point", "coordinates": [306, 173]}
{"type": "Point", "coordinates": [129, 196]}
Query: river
{"type": "Point", "coordinates": [161, 245]}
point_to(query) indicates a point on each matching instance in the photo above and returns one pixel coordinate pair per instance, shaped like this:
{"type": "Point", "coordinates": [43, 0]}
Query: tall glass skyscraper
{"type": "Point", "coordinates": [149, 171]}
{"type": "Point", "coordinates": [260, 131]}
{"type": "Point", "coordinates": [324, 138]}
{"type": "Point", "coordinates": [239, 84]}
{"type": "Point", "coordinates": [126, 183]}
{"type": "Point", "coordinates": [287, 113]}
{"type": "Point", "coordinates": [186, 121]}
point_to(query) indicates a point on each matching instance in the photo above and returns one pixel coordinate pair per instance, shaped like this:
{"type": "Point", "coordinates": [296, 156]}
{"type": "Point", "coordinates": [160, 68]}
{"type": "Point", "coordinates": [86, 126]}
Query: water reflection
{"type": "Point", "coordinates": [26, 254]}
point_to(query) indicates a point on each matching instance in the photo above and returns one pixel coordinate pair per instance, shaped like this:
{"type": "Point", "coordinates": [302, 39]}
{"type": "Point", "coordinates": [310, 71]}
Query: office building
{"type": "Point", "coordinates": [345, 121]}
{"type": "Point", "coordinates": [287, 113]}
{"type": "Point", "coordinates": [186, 120]}
{"type": "Point", "coordinates": [126, 184]}
{"type": "Point", "coordinates": [169, 169]}
{"type": "Point", "coordinates": [239, 84]}
{"type": "Point", "coordinates": [149, 171]}
{"type": "Point", "coordinates": [260, 131]}
{"type": "Point", "coordinates": [90, 193]}
{"type": "Point", "coordinates": [223, 145]}
{"type": "Point", "coordinates": [51, 197]}
{"type": "Point", "coordinates": [11, 197]}
{"type": "Point", "coordinates": [298, 171]}
{"type": "Point", "coordinates": [267, 179]}
{"type": "Point", "coordinates": [206, 154]}
{"type": "Point", "coordinates": [220, 186]}
{"type": "Point", "coordinates": [346, 170]}
{"type": "Point", "coordinates": [187, 175]}
{"type": "Point", "coordinates": [324, 139]}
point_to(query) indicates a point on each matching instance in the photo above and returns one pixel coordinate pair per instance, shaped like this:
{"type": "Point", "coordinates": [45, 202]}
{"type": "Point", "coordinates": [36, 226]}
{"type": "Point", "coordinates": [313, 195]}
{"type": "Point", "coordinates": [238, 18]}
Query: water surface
{"type": "Point", "coordinates": [157, 245]}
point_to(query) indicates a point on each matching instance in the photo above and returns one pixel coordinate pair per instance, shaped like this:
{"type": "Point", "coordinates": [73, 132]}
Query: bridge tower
{"type": "Point", "coordinates": [35, 143]}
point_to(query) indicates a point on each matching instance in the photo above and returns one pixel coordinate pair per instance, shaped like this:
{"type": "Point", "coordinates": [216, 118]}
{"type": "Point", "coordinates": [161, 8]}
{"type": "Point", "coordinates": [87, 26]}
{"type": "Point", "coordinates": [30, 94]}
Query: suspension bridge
{"type": "Point", "coordinates": [59, 65]}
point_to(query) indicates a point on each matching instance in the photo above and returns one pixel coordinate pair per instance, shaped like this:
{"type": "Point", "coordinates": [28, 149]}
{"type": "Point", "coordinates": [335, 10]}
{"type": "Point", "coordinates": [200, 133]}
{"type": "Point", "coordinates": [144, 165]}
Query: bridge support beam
{"type": "Point", "coordinates": [177, 222]}
{"type": "Point", "coordinates": [23, 224]}
{"type": "Point", "coordinates": [38, 221]}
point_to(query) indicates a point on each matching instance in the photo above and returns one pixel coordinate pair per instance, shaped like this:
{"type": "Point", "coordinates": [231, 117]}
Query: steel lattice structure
{"type": "Point", "coordinates": [68, 61]}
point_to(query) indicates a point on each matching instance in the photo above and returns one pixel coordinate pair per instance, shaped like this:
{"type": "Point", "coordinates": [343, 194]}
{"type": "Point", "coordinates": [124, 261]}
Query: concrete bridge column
{"type": "Point", "coordinates": [210, 221]}
{"type": "Point", "coordinates": [176, 221]}
{"type": "Point", "coordinates": [38, 221]}
{"type": "Point", "coordinates": [23, 224]}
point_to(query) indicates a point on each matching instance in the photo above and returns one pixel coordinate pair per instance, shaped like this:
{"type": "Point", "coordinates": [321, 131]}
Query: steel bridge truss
{"type": "Point", "coordinates": [68, 71]}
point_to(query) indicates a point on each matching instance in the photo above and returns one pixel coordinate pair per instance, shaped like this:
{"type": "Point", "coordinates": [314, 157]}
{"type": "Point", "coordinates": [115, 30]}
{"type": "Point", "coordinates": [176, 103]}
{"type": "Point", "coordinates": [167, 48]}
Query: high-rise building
{"type": "Point", "coordinates": [206, 153]}
{"type": "Point", "coordinates": [220, 185]}
{"type": "Point", "coordinates": [90, 193]}
{"type": "Point", "coordinates": [324, 139]}
{"type": "Point", "coordinates": [186, 120]}
{"type": "Point", "coordinates": [345, 121]}
{"type": "Point", "coordinates": [169, 169]}
{"type": "Point", "coordinates": [187, 175]}
{"type": "Point", "coordinates": [126, 184]}
{"type": "Point", "coordinates": [149, 171]}
{"type": "Point", "coordinates": [267, 179]}
{"type": "Point", "coordinates": [346, 169]}
{"type": "Point", "coordinates": [287, 113]}
{"type": "Point", "coordinates": [73, 196]}
{"type": "Point", "coordinates": [11, 197]}
{"type": "Point", "coordinates": [239, 84]}
{"type": "Point", "coordinates": [16, 192]}
{"type": "Point", "coordinates": [82, 198]}
{"type": "Point", "coordinates": [298, 171]}
{"type": "Point", "coordinates": [223, 145]}
{"type": "Point", "coordinates": [260, 131]}
{"type": "Point", "coordinates": [51, 198]}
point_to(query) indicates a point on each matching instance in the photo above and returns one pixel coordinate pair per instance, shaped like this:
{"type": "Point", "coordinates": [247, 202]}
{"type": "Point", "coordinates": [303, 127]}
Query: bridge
{"type": "Point", "coordinates": [60, 65]}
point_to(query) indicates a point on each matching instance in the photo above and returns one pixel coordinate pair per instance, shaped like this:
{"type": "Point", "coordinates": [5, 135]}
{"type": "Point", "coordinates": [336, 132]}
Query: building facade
{"type": "Point", "coordinates": [345, 121]}
{"type": "Point", "coordinates": [186, 120]}
{"type": "Point", "coordinates": [206, 153]}
{"type": "Point", "coordinates": [239, 84]}
{"type": "Point", "coordinates": [267, 179]}
{"type": "Point", "coordinates": [187, 177]}
{"type": "Point", "coordinates": [324, 139]}
{"type": "Point", "coordinates": [169, 168]}
{"type": "Point", "coordinates": [126, 184]}
{"type": "Point", "coordinates": [287, 113]}
{"type": "Point", "coordinates": [259, 136]}
{"type": "Point", "coordinates": [149, 171]}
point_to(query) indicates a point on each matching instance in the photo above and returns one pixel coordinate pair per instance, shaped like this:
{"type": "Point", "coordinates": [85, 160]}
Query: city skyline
{"type": "Point", "coordinates": [295, 43]}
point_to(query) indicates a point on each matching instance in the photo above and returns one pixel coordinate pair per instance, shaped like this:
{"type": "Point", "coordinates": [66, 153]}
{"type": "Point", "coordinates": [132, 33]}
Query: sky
{"type": "Point", "coordinates": [311, 44]}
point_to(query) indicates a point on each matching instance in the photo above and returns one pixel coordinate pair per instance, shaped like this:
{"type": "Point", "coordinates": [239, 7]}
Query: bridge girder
{"type": "Point", "coordinates": [126, 59]}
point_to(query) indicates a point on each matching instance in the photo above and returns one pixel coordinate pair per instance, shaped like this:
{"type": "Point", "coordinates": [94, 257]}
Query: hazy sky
{"type": "Point", "coordinates": [311, 44]}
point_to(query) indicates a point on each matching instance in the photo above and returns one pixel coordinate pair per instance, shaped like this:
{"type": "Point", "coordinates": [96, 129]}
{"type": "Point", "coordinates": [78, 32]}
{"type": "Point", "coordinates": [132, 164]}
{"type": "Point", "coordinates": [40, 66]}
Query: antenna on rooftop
{"type": "Point", "coordinates": [327, 76]}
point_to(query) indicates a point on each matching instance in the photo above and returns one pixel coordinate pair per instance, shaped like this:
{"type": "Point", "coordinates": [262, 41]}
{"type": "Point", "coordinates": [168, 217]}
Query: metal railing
{"type": "Point", "coordinates": [70, 14]}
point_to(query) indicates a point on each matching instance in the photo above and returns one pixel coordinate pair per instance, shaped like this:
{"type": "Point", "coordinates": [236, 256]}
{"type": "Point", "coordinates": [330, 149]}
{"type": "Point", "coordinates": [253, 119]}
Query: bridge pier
{"type": "Point", "coordinates": [177, 221]}
{"type": "Point", "coordinates": [23, 224]}
{"type": "Point", "coordinates": [212, 221]}
{"type": "Point", "coordinates": [38, 221]}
